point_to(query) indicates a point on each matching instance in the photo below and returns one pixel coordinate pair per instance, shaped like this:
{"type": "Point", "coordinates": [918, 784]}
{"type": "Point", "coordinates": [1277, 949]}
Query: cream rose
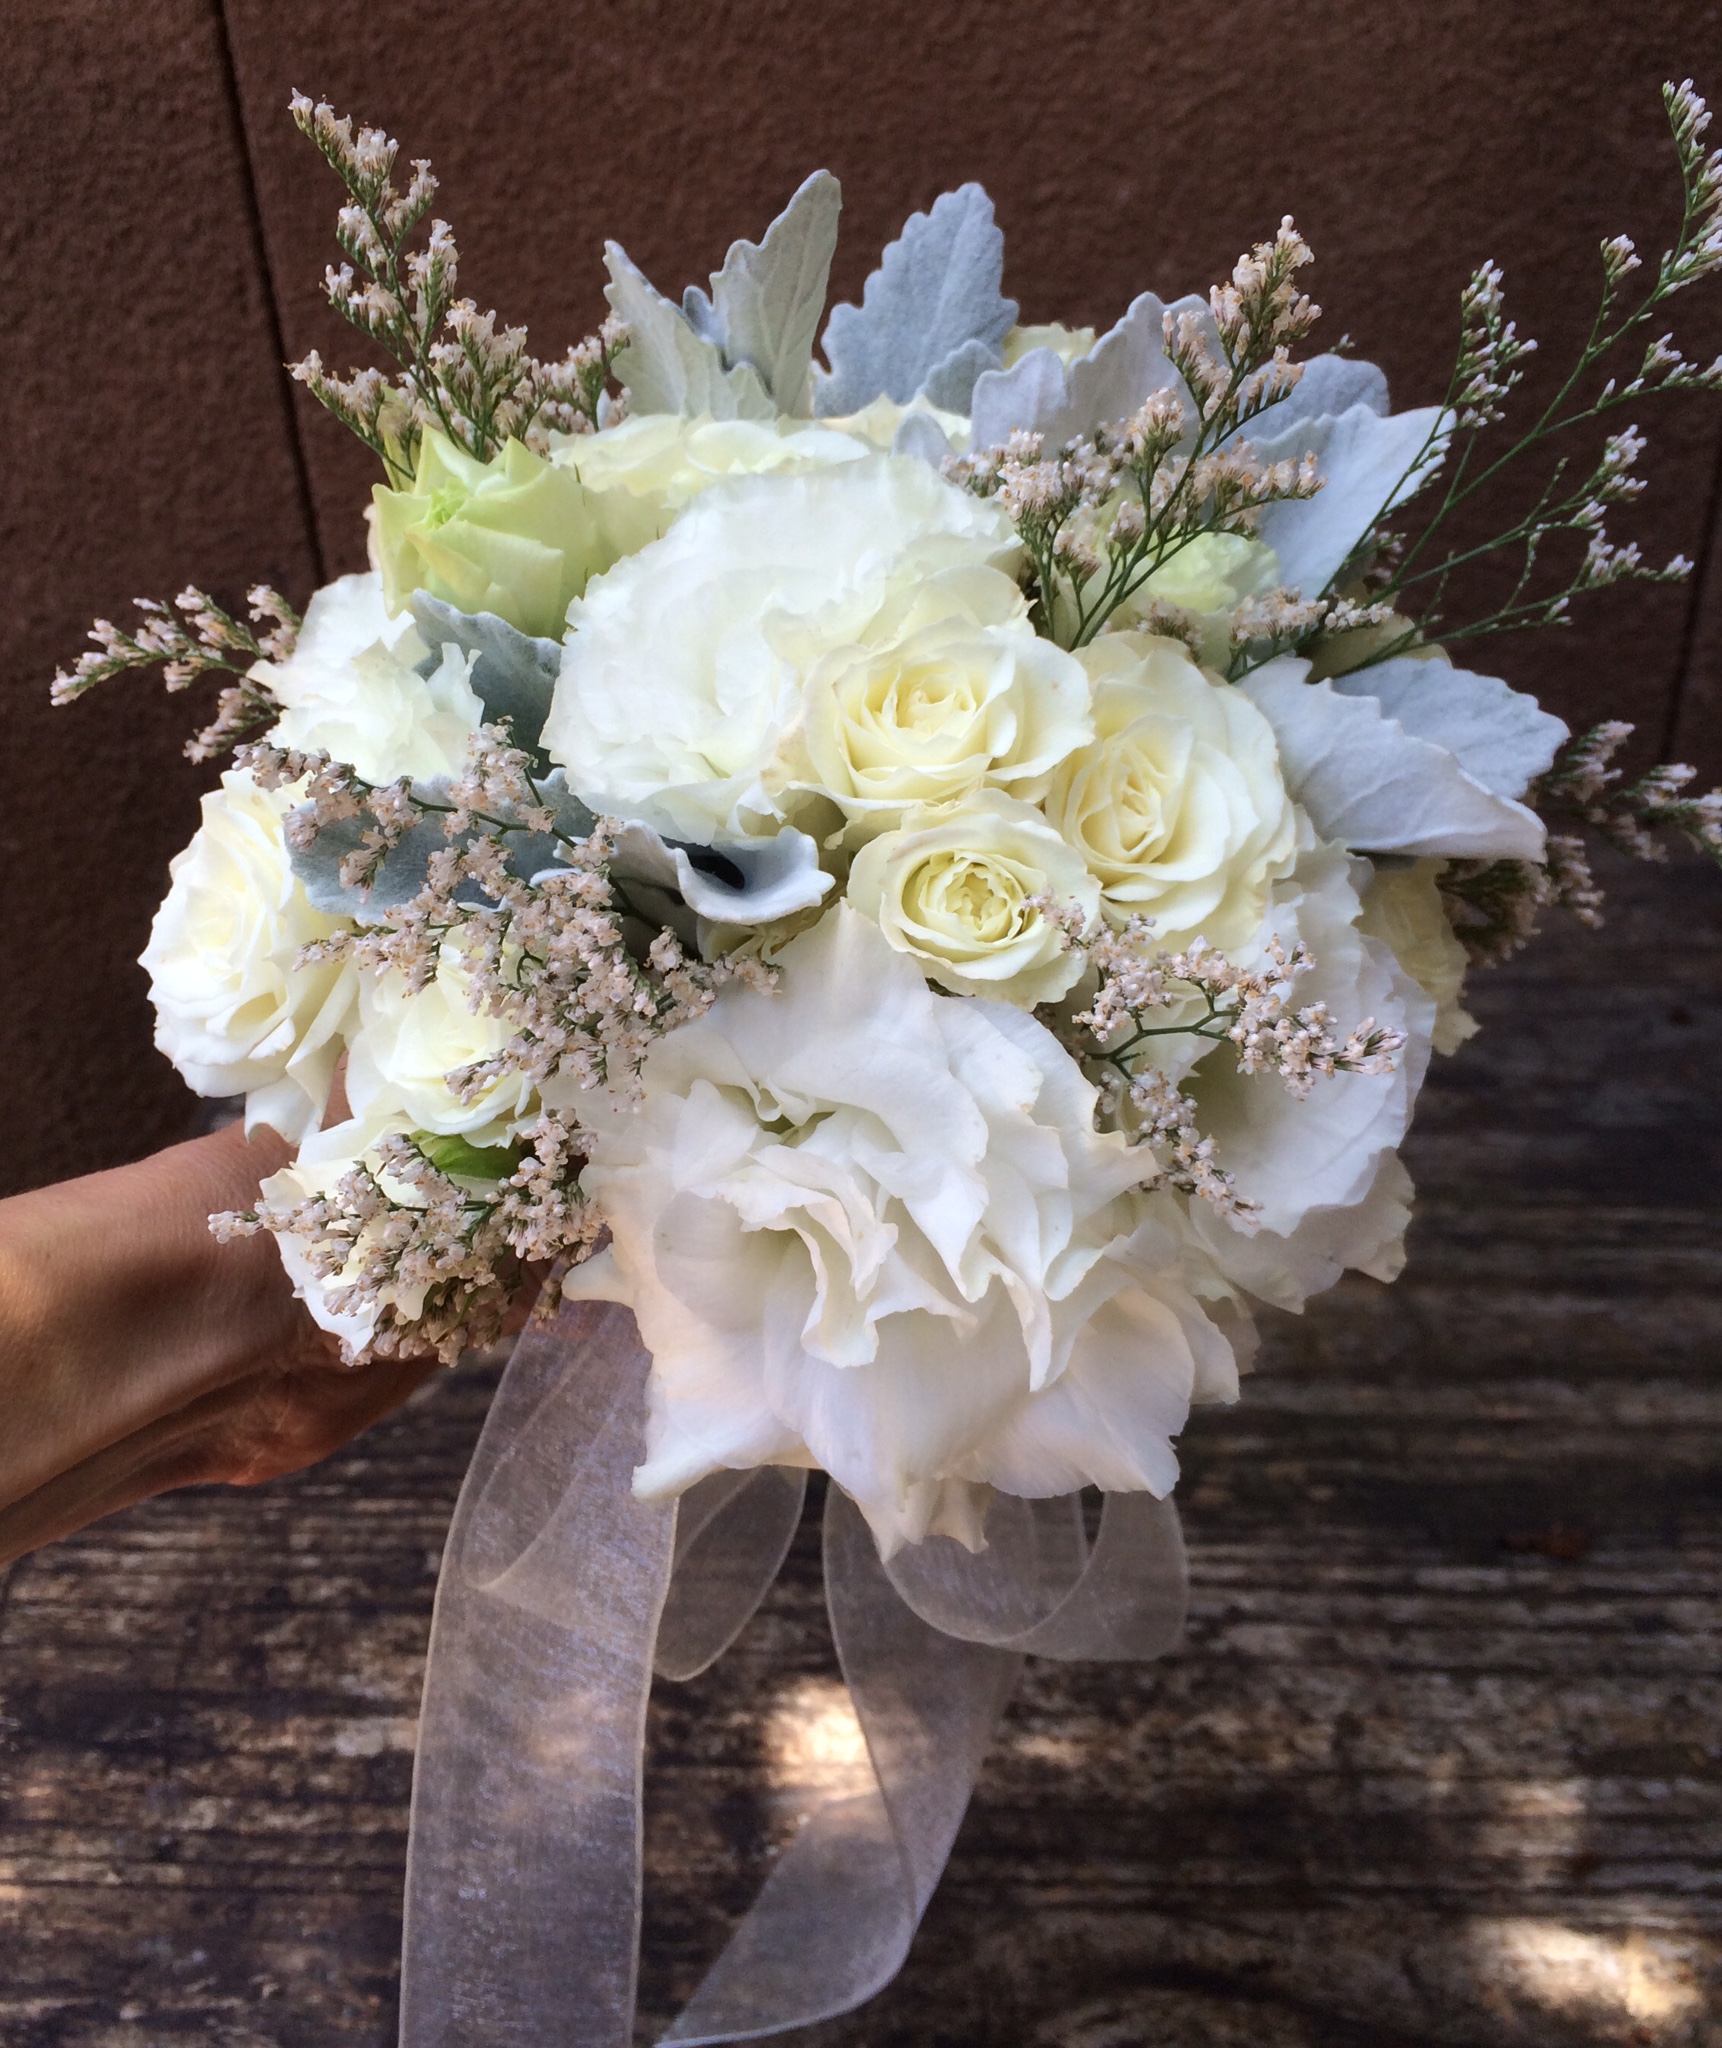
{"type": "Point", "coordinates": [961, 887]}
{"type": "Point", "coordinates": [1177, 806]}
{"type": "Point", "coordinates": [410, 1041]}
{"type": "Point", "coordinates": [680, 698]}
{"type": "Point", "coordinates": [235, 1012]}
{"type": "Point", "coordinates": [869, 1229]}
{"type": "Point", "coordinates": [961, 692]}
{"type": "Point", "coordinates": [351, 689]}
{"type": "Point", "coordinates": [1402, 907]}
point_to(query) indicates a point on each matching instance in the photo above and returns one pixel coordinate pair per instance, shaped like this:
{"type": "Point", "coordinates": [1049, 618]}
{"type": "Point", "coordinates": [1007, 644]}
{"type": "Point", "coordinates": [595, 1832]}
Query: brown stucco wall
{"type": "Point", "coordinates": [165, 231]}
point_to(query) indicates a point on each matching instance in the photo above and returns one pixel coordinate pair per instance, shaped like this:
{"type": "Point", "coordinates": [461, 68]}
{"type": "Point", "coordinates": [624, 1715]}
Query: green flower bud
{"type": "Point", "coordinates": [514, 535]}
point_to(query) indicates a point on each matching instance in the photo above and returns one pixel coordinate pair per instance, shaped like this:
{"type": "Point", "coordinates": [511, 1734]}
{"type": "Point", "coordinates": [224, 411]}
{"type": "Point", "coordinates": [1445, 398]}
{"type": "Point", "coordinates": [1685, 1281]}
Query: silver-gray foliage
{"type": "Point", "coordinates": [405, 869]}
{"type": "Point", "coordinates": [931, 317]}
{"type": "Point", "coordinates": [513, 674]}
{"type": "Point", "coordinates": [744, 351]}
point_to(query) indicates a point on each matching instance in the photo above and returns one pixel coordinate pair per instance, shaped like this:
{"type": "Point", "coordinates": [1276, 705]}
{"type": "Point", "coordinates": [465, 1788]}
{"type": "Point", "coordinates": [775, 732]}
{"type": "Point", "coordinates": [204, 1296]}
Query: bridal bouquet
{"type": "Point", "coordinates": [934, 874]}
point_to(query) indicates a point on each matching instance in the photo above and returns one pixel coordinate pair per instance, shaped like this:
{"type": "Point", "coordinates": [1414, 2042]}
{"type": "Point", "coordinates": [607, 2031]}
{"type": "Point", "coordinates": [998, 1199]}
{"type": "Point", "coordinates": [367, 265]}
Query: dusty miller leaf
{"type": "Point", "coordinates": [667, 365]}
{"type": "Point", "coordinates": [513, 675]}
{"type": "Point", "coordinates": [403, 873]}
{"type": "Point", "coordinates": [766, 301]}
{"type": "Point", "coordinates": [935, 293]}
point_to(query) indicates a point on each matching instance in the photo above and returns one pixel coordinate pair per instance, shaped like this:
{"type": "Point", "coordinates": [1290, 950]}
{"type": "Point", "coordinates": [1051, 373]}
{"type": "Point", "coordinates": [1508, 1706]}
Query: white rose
{"type": "Point", "coordinates": [234, 1012]}
{"type": "Point", "coordinates": [682, 679]}
{"type": "Point", "coordinates": [959, 693]}
{"type": "Point", "coordinates": [1402, 906]}
{"type": "Point", "coordinates": [959, 888]}
{"type": "Point", "coordinates": [350, 689]}
{"type": "Point", "coordinates": [866, 1228]}
{"type": "Point", "coordinates": [1177, 805]}
{"type": "Point", "coordinates": [409, 1042]}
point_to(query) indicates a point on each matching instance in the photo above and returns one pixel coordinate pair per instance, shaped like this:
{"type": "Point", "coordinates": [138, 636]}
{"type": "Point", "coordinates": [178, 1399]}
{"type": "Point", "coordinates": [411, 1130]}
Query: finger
{"type": "Point", "coordinates": [255, 1429]}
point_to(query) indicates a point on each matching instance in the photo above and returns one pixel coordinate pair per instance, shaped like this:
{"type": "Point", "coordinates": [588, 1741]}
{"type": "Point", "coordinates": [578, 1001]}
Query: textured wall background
{"type": "Point", "coordinates": [164, 231]}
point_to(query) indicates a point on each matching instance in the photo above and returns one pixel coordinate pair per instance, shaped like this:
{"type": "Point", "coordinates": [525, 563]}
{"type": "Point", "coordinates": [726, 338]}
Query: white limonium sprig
{"type": "Point", "coordinates": [208, 641]}
{"type": "Point", "coordinates": [1584, 786]}
{"type": "Point", "coordinates": [1494, 906]}
{"type": "Point", "coordinates": [459, 371]}
{"type": "Point", "coordinates": [1251, 1010]}
{"type": "Point", "coordinates": [549, 954]}
{"type": "Point", "coordinates": [1415, 565]}
{"type": "Point", "coordinates": [442, 1224]}
{"type": "Point", "coordinates": [1102, 514]}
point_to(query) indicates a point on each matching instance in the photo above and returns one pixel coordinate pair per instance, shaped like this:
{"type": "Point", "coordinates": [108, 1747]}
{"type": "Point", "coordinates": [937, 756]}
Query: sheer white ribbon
{"type": "Point", "coordinates": [560, 1595]}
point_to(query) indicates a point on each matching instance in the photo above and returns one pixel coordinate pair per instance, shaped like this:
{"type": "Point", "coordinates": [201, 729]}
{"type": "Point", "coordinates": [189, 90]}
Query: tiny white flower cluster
{"type": "Point", "coordinates": [1104, 514]}
{"type": "Point", "coordinates": [212, 642]}
{"type": "Point", "coordinates": [426, 1244]}
{"type": "Point", "coordinates": [461, 374]}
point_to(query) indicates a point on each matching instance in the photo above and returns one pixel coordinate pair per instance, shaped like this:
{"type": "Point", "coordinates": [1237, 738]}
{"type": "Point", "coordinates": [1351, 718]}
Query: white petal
{"type": "Point", "coordinates": [1293, 1156]}
{"type": "Point", "coordinates": [1286, 1270]}
{"type": "Point", "coordinates": [1109, 1418]}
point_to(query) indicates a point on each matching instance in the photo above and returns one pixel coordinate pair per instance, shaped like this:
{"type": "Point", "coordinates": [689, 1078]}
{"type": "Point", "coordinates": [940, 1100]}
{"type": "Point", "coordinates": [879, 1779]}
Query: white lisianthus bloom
{"type": "Point", "coordinates": [682, 678]}
{"type": "Point", "coordinates": [641, 473]}
{"type": "Point", "coordinates": [869, 1229]}
{"type": "Point", "coordinates": [964, 889]}
{"type": "Point", "coordinates": [1177, 805]}
{"type": "Point", "coordinates": [1323, 1170]}
{"type": "Point", "coordinates": [235, 1012]}
{"type": "Point", "coordinates": [350, 689]}
{"type": "Point", "coordinates": [1402, 905]}
{"type": "Point", "coordinates": [961, 692]}
{"type": "Point", "coordinates": [409, 1042]}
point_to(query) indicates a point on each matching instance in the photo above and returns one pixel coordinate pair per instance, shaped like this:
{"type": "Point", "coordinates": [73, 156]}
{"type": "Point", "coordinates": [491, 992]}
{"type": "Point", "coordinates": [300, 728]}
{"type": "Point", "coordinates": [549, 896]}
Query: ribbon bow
{"type": "Point", "coordinates": [561, 1594]}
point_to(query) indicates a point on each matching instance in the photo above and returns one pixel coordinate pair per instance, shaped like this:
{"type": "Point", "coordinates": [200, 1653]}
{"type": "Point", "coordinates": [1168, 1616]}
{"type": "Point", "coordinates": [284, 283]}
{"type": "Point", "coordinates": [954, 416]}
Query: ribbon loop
{"type": "Point", "coordinates": [733, 1532]}
{"type": "Point", "coordinates": [1037, 1588]}
{"type": "Point", "coordinates": [834, 1921]}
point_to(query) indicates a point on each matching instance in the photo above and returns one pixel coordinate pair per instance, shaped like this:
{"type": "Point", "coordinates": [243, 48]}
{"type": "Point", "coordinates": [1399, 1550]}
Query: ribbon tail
{"type": "Point", "coordinates": [833, 1924]}
{"type": "Point", "coordinates": [523, 1871]}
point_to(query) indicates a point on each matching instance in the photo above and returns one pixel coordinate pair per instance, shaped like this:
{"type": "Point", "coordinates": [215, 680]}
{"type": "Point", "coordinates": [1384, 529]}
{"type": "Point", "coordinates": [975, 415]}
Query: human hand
{"type": "Point", "coordinates": [137, 1354]}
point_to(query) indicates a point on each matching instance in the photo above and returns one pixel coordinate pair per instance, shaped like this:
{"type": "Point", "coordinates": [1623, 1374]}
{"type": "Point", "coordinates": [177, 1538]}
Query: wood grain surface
{"type": "Point", "coordinates": [1440, 1762]}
